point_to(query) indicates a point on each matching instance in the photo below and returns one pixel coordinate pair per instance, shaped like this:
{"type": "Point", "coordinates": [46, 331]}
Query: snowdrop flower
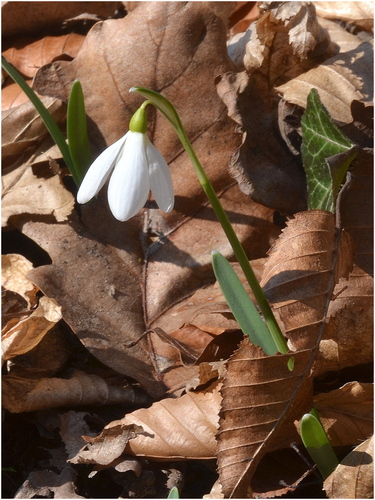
{"type": "Point", "coordinates": [136, 167]}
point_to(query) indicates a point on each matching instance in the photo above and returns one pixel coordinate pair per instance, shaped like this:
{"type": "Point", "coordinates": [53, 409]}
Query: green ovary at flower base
{"type": "Point", "coordinates": [133, 166]}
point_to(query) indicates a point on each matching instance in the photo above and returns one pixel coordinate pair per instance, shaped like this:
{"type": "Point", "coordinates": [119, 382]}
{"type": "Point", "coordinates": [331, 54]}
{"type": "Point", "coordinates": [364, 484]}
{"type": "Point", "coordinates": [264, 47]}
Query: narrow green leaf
{"type": "Point", "coordinates": [174, 493]}
{"type": "Point", "coordinates": [317, 444]}
{"type": "Point", "coordinates": [76, 128]}
{"type": "Point", "coordinates": [241, 305]}
{"type": "Point", "coordinates": [49, 122]}
{"type": "Point", "coordinates": [326, 155]}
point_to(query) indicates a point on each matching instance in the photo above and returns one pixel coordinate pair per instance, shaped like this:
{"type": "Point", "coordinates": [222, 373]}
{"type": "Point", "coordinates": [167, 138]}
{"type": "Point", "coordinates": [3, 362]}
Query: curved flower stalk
{"type": "Point", "coordinates": [135, 167]}
{"type": "Point", "coordinates": [171, 114]}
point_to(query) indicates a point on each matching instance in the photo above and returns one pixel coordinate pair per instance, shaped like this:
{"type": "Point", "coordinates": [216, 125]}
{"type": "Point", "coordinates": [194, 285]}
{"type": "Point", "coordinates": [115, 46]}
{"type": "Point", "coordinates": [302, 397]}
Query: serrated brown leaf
{"type": "Point", "coordinates": [354, 476]}
{"type": "Point", "coordinates": [259, 393]}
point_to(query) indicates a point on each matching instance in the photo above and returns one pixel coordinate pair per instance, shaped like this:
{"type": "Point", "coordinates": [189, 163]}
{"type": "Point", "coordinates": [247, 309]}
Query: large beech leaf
{"type": "Point", "coordinates": [259, 393]}
{"type": "Point", "coordinates": [116, 280]}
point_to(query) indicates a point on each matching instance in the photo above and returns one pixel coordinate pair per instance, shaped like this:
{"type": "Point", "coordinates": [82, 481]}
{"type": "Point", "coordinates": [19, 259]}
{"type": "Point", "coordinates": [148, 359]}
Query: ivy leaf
{"type": "Point", "coordinates": [326, 155]}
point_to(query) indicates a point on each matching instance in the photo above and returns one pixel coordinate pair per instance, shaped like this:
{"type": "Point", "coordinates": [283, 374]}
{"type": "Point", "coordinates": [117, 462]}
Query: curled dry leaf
{"type": "Point", "coordinates": [259, 391]}
{"type": "Point", "coordinates": [19, 195]}
{"type": "Point", "coordinates": [347, 413]}
{"type": "Point", "coordinates": [44, 483]}
{"type": "Point", "coordinates": [24, 395]}
{"type": "Point", "coordinates": [14, 269]}
{"type": "Point", "coordinates": [339, 80]}
{"type": "Point", "coordinates": [182, 428]}
{"type": "Point", "coordinates": [354, 476]}
{"type": "Point", "coordinates": [27, 333]}
{"type": "Point", "coordinates": [46, 359]}
{"type": "Point", "coordinates": [288, 41]}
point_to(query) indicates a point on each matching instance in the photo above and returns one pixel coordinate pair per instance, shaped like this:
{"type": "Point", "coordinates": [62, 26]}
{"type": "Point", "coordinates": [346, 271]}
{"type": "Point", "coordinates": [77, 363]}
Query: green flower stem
{"type": "Point", "coordinates": [236, 245]}
{"type": "Point", "coordinates": [49, 122]}
{"type": "Point", "coordinates": [169, 111]}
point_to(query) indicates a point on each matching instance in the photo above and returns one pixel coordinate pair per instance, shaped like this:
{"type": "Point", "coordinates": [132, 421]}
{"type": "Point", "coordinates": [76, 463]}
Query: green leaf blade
{"type": "Point", "coordinates": [76, 128]}
{"type": "Point", "coordinates": [241, 305]}
{"type": "Point", "coordinates": [174, 493]}
{"type": "Point", "coordinates": [326, 155]}
{"type": "Point", "coordinates": [317, 444]}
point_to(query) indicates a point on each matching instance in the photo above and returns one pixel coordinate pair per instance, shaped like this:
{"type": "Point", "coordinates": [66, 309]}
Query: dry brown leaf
{"type": "Point", "coordinates": [339, 80]}
{"type": "Point", "coordinates": [46, 359]}
{"type": "Point", "coordinates": [354, 476]}
{"type": "Point", "coordinates": [44, 483]}
{"type": "Point", "coordinates": [361, 13]}
{"type": "Point", "coordinates": [14, 269]}
{"type": "Point", "coordinates": [20, 18]}
{"type": "Point", "coordinates": [348, 339]}
{"type": "Point", "coordinates": [182, 428]}
{"type": "Point", "coordinates": [260, 394]}
{"type": "Point", "coordinates": [263, 166]}
{"type": "Point", "coordinates": [28, 332]}
{"type": "Point", "coordinates": [22, 127]}
{"type": "Point", "coordinates": [81, 389]}
{"type": "Point", "coordinates": [288, 41]}
{"type": "Point", "coordinates": [29, 192]}
{"type": "Point", "coordinates": [340, 36]}
{"type": "Point", "coordinates": [27, 54]}
{"type": "Point", "coordinates": [347, 413]}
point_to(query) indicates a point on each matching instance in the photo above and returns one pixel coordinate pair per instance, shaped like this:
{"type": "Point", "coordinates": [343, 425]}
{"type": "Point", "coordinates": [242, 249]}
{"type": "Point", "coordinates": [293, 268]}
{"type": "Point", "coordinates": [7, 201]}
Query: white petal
{"type": "Point", "coordinates": [129, 184]}
{"type": "Point", "coordinates": [99, 171]}
{"type": "Point", "coordinates": [160, 178]}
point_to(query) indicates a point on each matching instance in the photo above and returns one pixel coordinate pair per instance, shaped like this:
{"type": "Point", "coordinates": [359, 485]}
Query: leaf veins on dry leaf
{"type": "Point", "coordinates": [141, 295]}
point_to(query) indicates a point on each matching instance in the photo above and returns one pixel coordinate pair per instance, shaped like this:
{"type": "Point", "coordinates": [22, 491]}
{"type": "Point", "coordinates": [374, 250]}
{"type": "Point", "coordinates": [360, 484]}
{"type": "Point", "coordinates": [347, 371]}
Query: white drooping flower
{"type": "Point", "coordinates": [136, 167]}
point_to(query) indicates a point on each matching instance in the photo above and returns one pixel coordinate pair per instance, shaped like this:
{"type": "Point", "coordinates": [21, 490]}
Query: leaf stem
{"type": "Point", "coordinates": [49, 122]}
